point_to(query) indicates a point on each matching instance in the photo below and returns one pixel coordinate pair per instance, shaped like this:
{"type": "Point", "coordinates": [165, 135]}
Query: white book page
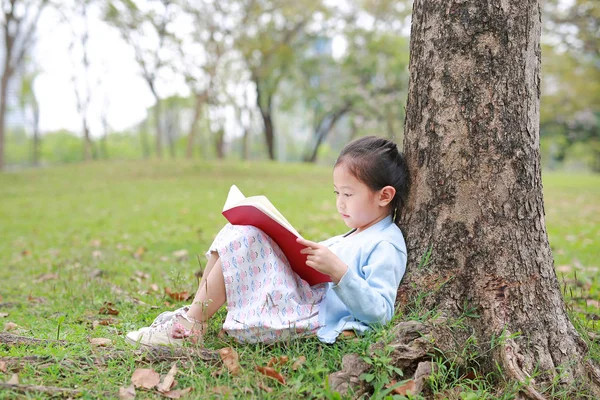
{"type": "Point", "coordinates": [236, 198]}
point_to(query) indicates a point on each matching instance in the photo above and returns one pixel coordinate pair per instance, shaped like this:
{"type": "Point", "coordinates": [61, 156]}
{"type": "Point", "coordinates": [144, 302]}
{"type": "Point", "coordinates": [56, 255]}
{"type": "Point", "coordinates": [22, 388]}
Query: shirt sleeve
{"type": "Point", "coordinates": [370, 298]}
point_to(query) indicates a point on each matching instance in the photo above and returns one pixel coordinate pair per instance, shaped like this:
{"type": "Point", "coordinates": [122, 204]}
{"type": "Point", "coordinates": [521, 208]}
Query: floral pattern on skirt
{"type": "Point", "coordinates": [266, 300]}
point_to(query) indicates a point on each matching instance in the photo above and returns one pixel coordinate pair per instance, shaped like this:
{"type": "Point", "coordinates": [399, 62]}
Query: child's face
{"type": "Point", "coordinates": [359, 206]}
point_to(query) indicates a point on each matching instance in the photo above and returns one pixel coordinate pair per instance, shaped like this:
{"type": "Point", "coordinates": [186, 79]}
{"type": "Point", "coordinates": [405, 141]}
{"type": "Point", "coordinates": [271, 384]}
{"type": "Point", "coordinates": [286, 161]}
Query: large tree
{"type": "Point", "coordinates": [18, 21]}
{"type": "Point", "coordinates": [476, 205]}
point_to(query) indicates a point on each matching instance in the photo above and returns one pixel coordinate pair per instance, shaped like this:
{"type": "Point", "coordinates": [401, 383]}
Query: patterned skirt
{"type": "Point", "coordinates": [266, 300]}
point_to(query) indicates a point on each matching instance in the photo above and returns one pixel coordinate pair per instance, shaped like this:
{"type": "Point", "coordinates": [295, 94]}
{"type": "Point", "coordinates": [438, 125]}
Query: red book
{"type": "Point", "coordinates": [258, 211]}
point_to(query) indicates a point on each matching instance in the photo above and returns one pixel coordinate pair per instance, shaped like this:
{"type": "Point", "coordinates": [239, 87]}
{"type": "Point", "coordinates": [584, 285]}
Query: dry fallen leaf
{"type": "Point", "coordinates": [96, 254]}
{"type": "Point", "coordinates": [298, 363]}
{"type": "Point", "coordinates": [278, 361]}
{"type": "Point", "coordinates": [221, 390]}
{"type": "Point", "coordinates": [45, 277]}
{"type": "Point", "coordinates": [177, 296]}
{"type": "Point", "coordinates": [404, 389]}
{"type": "Point", "coordinates": [2, 366]}
{"type": "Point", "coordinates": [14, 380]}
{"type": "Point", "coordinates": [271, 373]}
{"type": "Point", "coordinates": [145, 378]}
{"type": "Point", "coordinates": [265, 387]}
{"type": "Point", "coordinates": [169, 379]}
{"type": "Point", "coordinates": [139, 252]}
{"type": "Point", "coordinates": [3, 314]}
{"type": "Point", "coordinates": [230, 360]}
{"type": "Point", "coordinates": [39, 300]}
{"type": "Point", "coordinates": [177, 393]}
{"type": "Point", "coordinates": [181, 255]}
{"type": "Point", "coordinates": [127, 393]}
{"type": "Point", "coordinates": [142, 274]}
{"type": "Point", "coordinates": [108, 308]}
{"type": "Point", "coordinates": [25, 252]}
{"type": "Point", "coordinates": [154, 287]}
{"type": "Point", "coordinates": [9, 326]}
{"type": "Point", "coordinates": [102, 342]}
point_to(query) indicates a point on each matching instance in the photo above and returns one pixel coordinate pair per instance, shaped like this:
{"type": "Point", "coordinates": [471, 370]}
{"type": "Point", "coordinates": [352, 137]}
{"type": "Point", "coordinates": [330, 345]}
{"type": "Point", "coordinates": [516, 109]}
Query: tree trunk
{"type": "Point", "coordinates": [265, 113]}
{"type": "Point", "coordinates": [200, 100]}
{"type": "Point", "coordinates": [87, 142]}
{"type": "Point", "coordinates": [472, 144]}
{"type": "Point", "coordinates": [220, 143]}
{"type": "Point", "coordinates": [157, 122]}
{"type": "Point", "coordinates": [35, 154]}
{"type": "Point", "coordinates": [3, 99]}
{"type": "Point", "coordinates": [325, 126]}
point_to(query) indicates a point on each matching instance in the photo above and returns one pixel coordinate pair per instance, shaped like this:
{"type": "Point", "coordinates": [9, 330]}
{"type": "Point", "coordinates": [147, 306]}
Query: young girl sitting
{"type": "Point", "coordinates": [267, 301]}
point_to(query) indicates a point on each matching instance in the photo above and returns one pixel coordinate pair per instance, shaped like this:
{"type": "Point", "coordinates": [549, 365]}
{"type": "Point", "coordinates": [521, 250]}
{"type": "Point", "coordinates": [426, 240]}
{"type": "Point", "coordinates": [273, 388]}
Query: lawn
{"type": "Point", "coordinates": [92, 251]}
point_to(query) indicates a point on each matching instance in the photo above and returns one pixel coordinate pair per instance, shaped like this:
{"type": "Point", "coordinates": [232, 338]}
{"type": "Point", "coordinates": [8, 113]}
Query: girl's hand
{"type": "Point", "coordinates": [323, 260]}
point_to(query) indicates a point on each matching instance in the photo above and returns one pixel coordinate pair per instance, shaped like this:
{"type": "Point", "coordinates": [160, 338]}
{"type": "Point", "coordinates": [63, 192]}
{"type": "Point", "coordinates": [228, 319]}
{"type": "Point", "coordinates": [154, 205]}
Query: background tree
{"type": "Point", "coordinates": [19, 21]}
{"type": "Point", "coordinates": [476, 204]}
{"type": "Point", "coordinates": [269, 35]}
{"type": "Point", "coordinates": [31, 110]}
{"type": "Point", "coordinates": [147, 32]}
{"type": "Point", "coordinates": [76, 16]}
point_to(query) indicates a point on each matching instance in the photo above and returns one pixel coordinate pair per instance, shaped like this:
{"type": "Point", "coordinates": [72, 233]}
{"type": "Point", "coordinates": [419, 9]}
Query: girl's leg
{"type": "Point", "coordinates": [211, 293]}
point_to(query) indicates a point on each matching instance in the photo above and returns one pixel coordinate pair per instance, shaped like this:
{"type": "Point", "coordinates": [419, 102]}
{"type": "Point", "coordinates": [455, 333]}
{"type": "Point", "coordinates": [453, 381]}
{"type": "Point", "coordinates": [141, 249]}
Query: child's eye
{"type": "Point", "coordinates": [347, 194]}
{"type": "Point", "coordinates": [336, 192]}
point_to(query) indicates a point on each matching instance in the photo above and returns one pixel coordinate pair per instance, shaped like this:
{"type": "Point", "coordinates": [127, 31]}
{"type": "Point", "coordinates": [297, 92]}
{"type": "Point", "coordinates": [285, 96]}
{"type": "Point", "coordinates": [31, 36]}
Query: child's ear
{"type": "Point", "coordinates": [386, 195]}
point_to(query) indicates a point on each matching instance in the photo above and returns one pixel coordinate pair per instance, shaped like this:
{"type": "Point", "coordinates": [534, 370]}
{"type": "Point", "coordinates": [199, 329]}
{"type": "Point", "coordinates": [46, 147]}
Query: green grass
{"type": "Point", "coordinates": [75, 237]}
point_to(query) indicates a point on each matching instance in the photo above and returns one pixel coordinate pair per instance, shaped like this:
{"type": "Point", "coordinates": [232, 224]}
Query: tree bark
{"type": "Point", "coordinates": [476, 204]}
{"type": "Point", "coordinates": [3, 99]}
{"type": "Point", "coordinates": [157, 120]}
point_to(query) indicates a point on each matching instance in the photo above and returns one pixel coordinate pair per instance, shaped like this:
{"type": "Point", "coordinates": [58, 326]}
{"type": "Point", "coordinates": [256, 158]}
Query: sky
{"type": "Point", "coordinates": [118, 86]}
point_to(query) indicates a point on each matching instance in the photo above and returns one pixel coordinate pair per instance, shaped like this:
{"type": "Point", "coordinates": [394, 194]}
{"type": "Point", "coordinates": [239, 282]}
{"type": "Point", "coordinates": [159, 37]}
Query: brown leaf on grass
{"type": "Point", "coordinates": [139, 252]}
{"type": "Point", "coordinates": [3, 314]}
{"type": "Point", "coordinates": [127, 393]}
{"type": "Point", "coordinates": [298, 363]}
{"type": "Point", "coordinates": [265, 387]}
{"type": "Point", "coordinates": [221, 390]}
{"type": "Point", "coordinates": [176, 393]}
{"type": "Point", "coordinates": [25, 252]}
{"type": "Point", "coordinates": [108, 321]}
{"type": "Point", "coordinates": [9, 326]}
{"type": "Point", "coordinates": [39, 300]}
{"type": "Point", "coordinates": [278, 361]}
{"type": "Point", "coordinates": [14, 380]}
{"type": "Point", "coordinates": [230, 360]}
{"type": "Point", "coordinates": [168, 380]}
{"type": "Point", "coordinates": [108, 309]}
{"type": "Point", "coordinates": [142, 275]}
{"type": "Point", "coordinates": [2, 366]}
{"type": "Point", "coordinates": [145, 378]}
{"type": "Point", "coordinates": [592, 303]}
{"type": "Point", "coordinates": [100, 342]}
{"type": "Point", "coordinates": [45, 277]}
{"type": "Point", "coordinates": [177, 296]}
{"type": "Point", "coordinates": [181, 255]}
{"type": "Point", "coordinates": [404, 389]}
{"type": "Point", "coordinates": [271, 373]}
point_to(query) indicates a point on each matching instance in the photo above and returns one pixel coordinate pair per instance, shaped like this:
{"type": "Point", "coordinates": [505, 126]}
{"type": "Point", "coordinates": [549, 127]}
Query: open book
{"type": "Point", "coordinates": [258, 211]}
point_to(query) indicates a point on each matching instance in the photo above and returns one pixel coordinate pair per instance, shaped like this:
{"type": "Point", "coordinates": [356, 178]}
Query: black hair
{"type": "Point", "coordinates": [377, 163]}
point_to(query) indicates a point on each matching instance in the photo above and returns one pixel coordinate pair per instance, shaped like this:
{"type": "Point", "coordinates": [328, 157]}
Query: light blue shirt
{"type": "Point", "coordinates": [376, 260]}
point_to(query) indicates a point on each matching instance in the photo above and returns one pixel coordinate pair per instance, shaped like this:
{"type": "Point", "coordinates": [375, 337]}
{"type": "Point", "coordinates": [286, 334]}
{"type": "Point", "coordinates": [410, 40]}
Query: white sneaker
{"type": "Point", "coordinates": [167, 315]}
{"type": "Point", "coordinates": [172, 332]}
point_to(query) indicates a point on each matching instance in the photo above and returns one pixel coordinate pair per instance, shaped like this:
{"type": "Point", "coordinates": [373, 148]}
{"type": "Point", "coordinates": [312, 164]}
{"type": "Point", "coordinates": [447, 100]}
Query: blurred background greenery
{"type": "Point", "coordinates": [265, 79]}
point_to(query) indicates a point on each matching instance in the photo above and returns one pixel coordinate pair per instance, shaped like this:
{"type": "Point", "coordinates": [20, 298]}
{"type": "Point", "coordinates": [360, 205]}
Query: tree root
{"type": "Point", "coordinates": [15, 340]}
{"type": "Point", "coordinates": [510, 362]}
{"type": "Point", "coordinates": [51, 390]}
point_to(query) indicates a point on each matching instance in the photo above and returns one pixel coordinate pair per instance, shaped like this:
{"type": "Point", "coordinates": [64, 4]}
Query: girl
{"type": "Point", "coordinates": [267, 301]}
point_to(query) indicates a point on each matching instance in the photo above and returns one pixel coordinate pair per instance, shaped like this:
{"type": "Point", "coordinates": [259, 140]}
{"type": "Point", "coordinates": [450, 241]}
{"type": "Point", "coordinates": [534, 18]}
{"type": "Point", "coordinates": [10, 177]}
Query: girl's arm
{"type": "Point", "coordinates": [370, 298]}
